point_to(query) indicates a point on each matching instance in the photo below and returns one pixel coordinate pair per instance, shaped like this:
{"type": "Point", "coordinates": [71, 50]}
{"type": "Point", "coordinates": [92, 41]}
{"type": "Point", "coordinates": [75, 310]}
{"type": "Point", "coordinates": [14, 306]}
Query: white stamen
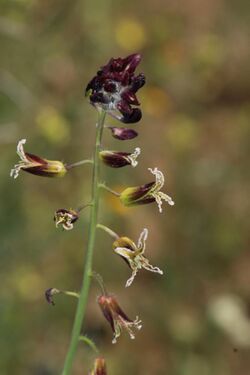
{"type": "Point", "coordinates": [132, 157]}
{"type": "Point", "coordinates": [156, 193]}
{"type": "Point", "coordinates": [22, 163]}
{"type": "Point", "coordinates": [159, 177]}
{"type": "Point", "coordinates": [131, 279]}
{"type": "Point", "coordinates": [20, 150]}
{"type": "Point", "coordinates": [142, 239]}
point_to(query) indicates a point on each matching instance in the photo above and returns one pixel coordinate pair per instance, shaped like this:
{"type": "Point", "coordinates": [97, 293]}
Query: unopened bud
{"type": "Point", "coordinates": [123, 134]}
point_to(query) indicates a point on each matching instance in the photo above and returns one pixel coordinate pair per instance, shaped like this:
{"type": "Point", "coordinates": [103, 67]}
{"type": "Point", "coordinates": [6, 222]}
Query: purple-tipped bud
{"type": "Point", "coordinates": [123, 134]}
{"type": "Point", "coordinates": [116, 317]}
{"type": "Point", "coordinates": [49, 293]}
{"type": "Point", "coordinates": [116, 159]}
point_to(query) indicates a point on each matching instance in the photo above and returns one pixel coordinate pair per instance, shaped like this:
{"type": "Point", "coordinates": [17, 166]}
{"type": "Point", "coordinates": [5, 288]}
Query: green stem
{"type": "Point", "coordinates": [83, 297]}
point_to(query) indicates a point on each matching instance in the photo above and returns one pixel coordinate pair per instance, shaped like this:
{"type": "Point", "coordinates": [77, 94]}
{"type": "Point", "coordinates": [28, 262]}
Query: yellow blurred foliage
{"type": "Point", "coordinates": [183, 133]}
{"type": "Point", "coordinates": [53, 125]}
{"type": "Point", "coordinates": [27, 283]}
{"type": "Point", "coordinates": [114, 203]}
{"type": "Point", "coordinates": [130, 34]}
{"type": "Point", "coordinates": [155, 101]}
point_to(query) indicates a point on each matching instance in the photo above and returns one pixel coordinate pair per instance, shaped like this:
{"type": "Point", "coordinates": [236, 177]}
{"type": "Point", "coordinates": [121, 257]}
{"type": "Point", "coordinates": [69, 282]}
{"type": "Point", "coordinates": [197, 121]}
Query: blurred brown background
{"type": "Point", "coordinates": [195, 127]}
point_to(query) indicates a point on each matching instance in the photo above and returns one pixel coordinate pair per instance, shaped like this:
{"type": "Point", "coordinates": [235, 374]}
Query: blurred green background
{"type": "Point", "coordinates": [195, 127]}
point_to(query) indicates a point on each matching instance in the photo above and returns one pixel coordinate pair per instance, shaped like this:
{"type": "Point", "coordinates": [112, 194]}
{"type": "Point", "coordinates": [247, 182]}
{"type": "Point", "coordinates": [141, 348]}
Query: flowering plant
{"type": "Point", "coordinates": [112, 91]}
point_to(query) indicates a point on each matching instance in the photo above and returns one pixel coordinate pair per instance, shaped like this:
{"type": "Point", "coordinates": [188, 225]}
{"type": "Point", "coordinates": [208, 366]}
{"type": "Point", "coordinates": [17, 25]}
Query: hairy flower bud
{"type": "Point", "coordinates": [66, 218]}
{"type": "Point", "coordinates": [116, 159]}
{"type": "Point", "coordinates": [36, 165]}
{"type": "Point", "coordinates": [99, 367]}
{"type": "Point", "coordinates": [116, 317]}
{"type": "Point", "coordinates": [114, 88]}
{"type": "Point", "coordinates": [123, 134]}
{"type": "Point", "coordinates": [134, 254]}
{"type": "Point", "coordinates": [147, 193]}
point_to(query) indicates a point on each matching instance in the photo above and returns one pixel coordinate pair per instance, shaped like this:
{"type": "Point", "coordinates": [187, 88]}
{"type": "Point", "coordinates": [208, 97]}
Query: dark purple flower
{"type": "Point", "coordinates": [123, 134]}
{"type": "Point", "coordinates": [117, 159]}
{"type": "Point", "coordinates": [114, 88]}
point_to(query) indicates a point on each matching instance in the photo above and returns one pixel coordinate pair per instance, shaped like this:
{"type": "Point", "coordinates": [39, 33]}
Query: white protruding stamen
{"type": "Point", "coordinates": [132, 157]}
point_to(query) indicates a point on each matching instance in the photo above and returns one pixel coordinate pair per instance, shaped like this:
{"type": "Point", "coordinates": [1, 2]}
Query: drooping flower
{"type": "Point", "coordinates": [116, 317]}
{"type": "Point", "coordinates": [66, 218]}
{"type": "Point", "coordinates": [123, 134]}
{"type": "Point", "coordinates": [36, 165]}
{"type": "Point", "coordinates": [114, 88]}
{"type": "Point", "coordinates": [49, 293]}
{"type": "Point", "coordinates": [99, 367]}
{"type": "Point", "coordinates": [117, 159]}
{"type": "Point", "coordinates": [147, 193]}
{"type": "Point", "coordinates": [134, 254]}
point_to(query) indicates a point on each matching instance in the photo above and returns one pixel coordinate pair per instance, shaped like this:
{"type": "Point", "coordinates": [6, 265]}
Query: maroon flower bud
{"type": "Point", "coordinates": [99, 367]}
{"type": "Point", "coordinates": [131, 62]}
{"type": "Point", "coordinates": [66, 218]}
{"type": "Point", "coordinates": [123, 134]}
{"type": "Point", "coordinates": [36, 165]}
{"type": "Point", "coordinates": [131, 118]}
{"type": "Point", "coordinates": [116, 317]}
{"type": "Point", "coordinates": [49, 293]}
{"type": "Point", "coordinates": [138, 82]}
{"type": "Point", "coordinates": [116, 159]}
{"type": "Point", "coordinates": [114, 87]}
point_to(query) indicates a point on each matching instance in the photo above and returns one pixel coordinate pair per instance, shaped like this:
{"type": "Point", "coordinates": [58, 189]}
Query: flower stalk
{"type": "Point", "coordinates": [83, 297]}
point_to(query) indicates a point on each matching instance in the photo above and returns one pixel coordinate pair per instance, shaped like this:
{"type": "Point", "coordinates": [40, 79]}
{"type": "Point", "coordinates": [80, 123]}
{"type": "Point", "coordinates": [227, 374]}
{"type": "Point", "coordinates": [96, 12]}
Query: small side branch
{"type": "Point", "coordinates": [105, 187]}
{"type": "Point", "coordinates": [78, 163]}
{"type": "Point", "coordinates": [89, 342]}
{"type": "Point", "coordinates": [108, 230]}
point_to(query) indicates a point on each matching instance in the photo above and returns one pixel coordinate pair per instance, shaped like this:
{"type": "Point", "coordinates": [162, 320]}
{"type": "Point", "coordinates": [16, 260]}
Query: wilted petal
{"type": "Point", "coordinates": [134, 255]}
{"type": "Point", "coordinates": [49, 293]}
{"type": "Point", "coordinates": [116, 317]}
{"type": "Point", "coordinates": [66, 218]}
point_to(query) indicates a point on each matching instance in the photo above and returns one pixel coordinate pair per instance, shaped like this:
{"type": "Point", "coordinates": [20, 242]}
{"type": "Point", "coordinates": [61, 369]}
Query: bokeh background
{"type": "Point", "coordinates": [195, 127]}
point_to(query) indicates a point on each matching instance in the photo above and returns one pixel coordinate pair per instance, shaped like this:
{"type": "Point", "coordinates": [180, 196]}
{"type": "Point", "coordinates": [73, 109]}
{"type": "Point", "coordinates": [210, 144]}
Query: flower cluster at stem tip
{"type": "Point", "coordinates": [113, 90]}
